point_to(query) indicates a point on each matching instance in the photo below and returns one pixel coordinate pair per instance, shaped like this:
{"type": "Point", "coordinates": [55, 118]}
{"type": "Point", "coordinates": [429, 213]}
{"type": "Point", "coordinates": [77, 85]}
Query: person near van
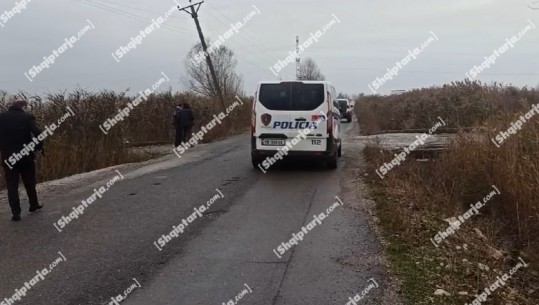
{"type": "Point", "coordinates": [18, 129]}
{"type": "Point", "coordinates": [187, 120]}
{"type": "Point", "coordinates": [177, 125]}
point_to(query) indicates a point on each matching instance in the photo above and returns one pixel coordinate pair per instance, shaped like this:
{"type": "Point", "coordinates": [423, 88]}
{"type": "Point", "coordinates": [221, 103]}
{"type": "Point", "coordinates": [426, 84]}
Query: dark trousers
{"type": "Point", "coordinates": [182, 135]}
{"type": "Point", "coordinates": [186, 132]}
{"type": "Point", "coordinates": [178, 136]}
{"type": "Point", "coordinates": [27, 170]}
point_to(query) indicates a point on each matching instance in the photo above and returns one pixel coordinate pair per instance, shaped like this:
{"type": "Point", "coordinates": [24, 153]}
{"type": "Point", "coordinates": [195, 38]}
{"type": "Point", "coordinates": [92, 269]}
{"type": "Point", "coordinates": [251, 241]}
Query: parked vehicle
{"type": "Point", "coordinates": [345, 106]}
{"type": "Point", "coordinates": [282, 111]}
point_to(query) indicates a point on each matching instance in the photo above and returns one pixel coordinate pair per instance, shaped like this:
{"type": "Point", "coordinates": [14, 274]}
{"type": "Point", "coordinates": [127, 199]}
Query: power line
{"type": "Point", "coordinates": [257, 42]}
{"type": "Point", "coordinates": [136, 8]}
{"type": "Point", "coordinates": [193, 11]}
{"type": "Point", "coordinates": [265, 70]}
{"type": "Point", "coordinates": [138, 17]}
{"type": "Point", "coordinates": [127, 14]}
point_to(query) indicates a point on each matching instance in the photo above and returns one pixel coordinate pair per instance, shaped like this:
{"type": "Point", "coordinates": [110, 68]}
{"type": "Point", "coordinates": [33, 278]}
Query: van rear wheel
{"type": "Point", "coordinates": [333, 161]}
{"type": "Point", "coordinates": [256, 161]}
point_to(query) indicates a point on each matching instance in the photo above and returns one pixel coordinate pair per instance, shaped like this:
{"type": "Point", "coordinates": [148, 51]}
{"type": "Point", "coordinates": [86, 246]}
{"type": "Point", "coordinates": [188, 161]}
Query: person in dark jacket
{"type": "Point", "coordinates": [177, 125]}
{"type": "Point", "coordinates": [17, 132]}
{"type": "Point", "coordinates": [187, 120]}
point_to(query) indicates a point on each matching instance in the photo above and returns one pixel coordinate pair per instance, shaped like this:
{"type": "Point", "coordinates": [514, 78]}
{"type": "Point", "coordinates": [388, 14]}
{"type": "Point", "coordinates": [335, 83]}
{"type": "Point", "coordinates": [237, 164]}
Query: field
{"type": "Point", "coordinates": [427, 193]}
{"type": "Point", "coordinates": [78, 145]}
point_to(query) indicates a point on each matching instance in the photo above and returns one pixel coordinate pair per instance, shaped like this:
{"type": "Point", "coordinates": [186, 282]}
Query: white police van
{"type": "Point", "coordinates": [301, 118]}
{"type": "Point", "coordinates": [345, 107]}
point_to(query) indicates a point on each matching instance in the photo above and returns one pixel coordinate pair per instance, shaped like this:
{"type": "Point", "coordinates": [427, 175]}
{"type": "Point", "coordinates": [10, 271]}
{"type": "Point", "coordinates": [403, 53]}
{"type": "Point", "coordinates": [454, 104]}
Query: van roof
{"type": "Point", "coordinates": [295, 81]}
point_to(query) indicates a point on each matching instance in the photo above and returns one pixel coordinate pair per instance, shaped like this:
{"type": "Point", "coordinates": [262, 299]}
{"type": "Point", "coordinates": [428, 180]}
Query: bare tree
{"type": "Point", "coordinates": [343, 95]}
{"type": "Point", "coordinates": [225, 68]}
{"type": "Point", "coordinates": [308, 70]}
{"type": "Point", "coordinates": [4, 100]}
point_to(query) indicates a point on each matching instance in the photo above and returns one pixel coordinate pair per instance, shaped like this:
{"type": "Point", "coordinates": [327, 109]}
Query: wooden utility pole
{"type": "Point", "coordinates": [193, 11]}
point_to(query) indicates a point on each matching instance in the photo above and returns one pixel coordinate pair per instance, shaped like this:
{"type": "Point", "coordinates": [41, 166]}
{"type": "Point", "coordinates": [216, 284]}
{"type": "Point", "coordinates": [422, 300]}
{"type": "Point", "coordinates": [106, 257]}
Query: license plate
{"type": "Point", "coordinates": [273, 142]}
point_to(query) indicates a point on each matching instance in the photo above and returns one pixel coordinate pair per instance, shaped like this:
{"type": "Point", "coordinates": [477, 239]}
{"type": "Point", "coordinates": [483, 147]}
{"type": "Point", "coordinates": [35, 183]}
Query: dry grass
{"type": "Point", "coordinates": [460, 104]}
{"type": "Point", "coordinates": [425, 193]}
{"type": "Point", "coordinates": [78, 145]}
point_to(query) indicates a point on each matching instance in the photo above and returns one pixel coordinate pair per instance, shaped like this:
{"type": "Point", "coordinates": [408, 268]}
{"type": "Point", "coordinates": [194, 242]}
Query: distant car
{"type": "Point", "coordinates": [345, 108]}
{"type": "Point", "coordinates": [282, 109]}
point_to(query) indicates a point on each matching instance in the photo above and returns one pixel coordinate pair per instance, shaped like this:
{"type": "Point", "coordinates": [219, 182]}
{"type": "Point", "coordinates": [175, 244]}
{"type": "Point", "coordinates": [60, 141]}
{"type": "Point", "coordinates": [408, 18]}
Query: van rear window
{"type": "Point", "coordinates": [291, 96]}
{"type": "Point", "coordinates": [343, 104]}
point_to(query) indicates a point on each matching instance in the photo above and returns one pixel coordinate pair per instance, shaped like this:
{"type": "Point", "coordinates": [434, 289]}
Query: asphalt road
{"type": "Point", "coordinates": [227, 252]}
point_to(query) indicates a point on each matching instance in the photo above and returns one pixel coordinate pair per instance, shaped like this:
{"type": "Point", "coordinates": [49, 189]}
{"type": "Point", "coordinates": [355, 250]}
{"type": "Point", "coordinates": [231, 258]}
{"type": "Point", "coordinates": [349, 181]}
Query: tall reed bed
{"type": "Point", "coordinates": [469, 167]}
{"type": "Point", "coordinates": [78, 145]}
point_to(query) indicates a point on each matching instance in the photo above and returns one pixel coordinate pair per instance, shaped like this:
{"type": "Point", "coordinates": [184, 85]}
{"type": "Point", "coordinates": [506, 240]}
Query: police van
{"type": "Point", "coordinates": [345, 107]}
{"type": "Point", "coordinates": [297, 118]}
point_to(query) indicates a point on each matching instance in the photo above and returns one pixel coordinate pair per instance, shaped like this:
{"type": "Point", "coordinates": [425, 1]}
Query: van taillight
{"type": "Point", "coordinates": [253, 122]}
{"type": "Point", "coordinates": [329, 115]}
{"type": "Point", "coordinates": [253, 113]}
{"type": "Point", "coordinates": [329, 121]}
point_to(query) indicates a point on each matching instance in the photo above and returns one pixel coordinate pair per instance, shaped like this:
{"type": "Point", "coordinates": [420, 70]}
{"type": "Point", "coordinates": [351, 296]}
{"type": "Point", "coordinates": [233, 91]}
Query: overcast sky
{"type": "Point", "coordinates": [370, 38]}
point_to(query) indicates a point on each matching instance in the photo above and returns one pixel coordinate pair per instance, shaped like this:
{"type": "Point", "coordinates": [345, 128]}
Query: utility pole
{"type": "Point", "coordinates": [193, 11]}
{"type": "Point", "coordinates": [297, 59]}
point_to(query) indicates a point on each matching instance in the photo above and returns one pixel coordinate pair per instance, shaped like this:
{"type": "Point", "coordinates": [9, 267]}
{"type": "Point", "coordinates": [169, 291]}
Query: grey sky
{"type": "Point", "coordinates": [372, 37]}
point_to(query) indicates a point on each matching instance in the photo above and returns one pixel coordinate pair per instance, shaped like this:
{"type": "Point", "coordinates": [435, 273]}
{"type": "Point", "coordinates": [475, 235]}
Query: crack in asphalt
{"type": "Point", "coordinates": [275, 298]}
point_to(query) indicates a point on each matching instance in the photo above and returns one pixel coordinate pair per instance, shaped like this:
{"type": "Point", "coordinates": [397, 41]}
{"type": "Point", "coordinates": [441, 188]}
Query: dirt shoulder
{"type": "Point", "coordinates": [355, 192]}
{"type": "Point", "coordinates": [436, 269]}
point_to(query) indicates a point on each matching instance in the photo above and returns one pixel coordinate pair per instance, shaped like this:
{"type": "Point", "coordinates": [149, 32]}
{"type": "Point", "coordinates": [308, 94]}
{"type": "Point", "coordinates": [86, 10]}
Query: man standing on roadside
{"type": "Point", "coordinates": [187, 120]}
{"type": "Point", "coordinates": [177, 125]}
{"type": "Point", "coordinates": [17, 131]}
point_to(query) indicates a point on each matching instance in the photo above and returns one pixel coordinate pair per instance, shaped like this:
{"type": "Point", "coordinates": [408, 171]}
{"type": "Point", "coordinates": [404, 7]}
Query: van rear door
{"type": "Point", "coordinates": [283, 109]}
